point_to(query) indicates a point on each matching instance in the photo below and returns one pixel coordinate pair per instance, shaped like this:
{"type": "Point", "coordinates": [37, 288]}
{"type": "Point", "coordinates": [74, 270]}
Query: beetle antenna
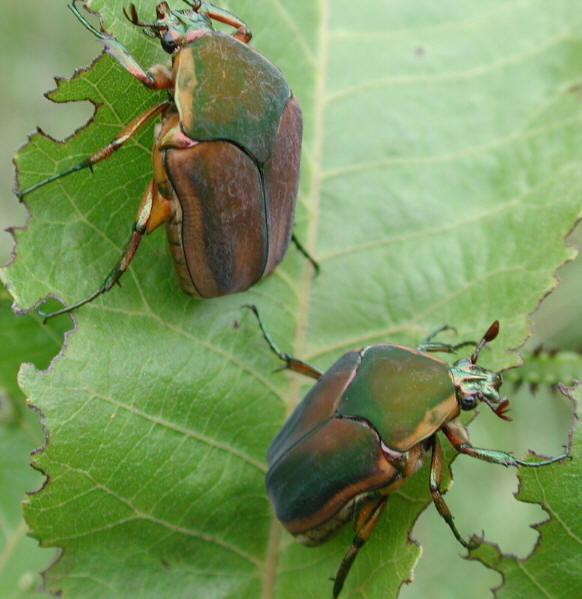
{"type": "Point", "coordinates": [491, 333]}
{"type": "Point", "coordinates": [501, 409]}
{"type": "Point", "coordinates": [194, 5]}
{"type": "Point", "coordinates": [134, 19]}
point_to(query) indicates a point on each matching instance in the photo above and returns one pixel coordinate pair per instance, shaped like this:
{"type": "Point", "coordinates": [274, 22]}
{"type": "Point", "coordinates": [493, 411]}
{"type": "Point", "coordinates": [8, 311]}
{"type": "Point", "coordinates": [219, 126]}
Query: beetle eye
{"type": "Point", "coordinates": [469, 402]}
{"type": "Point", "coordinates": [169, 44]}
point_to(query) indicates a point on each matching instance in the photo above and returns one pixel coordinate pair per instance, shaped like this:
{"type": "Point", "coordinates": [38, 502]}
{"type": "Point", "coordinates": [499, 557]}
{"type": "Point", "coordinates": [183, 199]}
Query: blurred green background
{"type": "Point", "coordinates": [41, 40]}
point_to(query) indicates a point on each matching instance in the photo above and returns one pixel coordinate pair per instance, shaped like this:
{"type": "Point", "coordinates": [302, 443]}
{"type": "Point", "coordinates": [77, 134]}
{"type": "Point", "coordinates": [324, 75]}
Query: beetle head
{"type": "Point", "coordinates": [175, 28]}
{"type": "Point", "coordinates": [474, 383]}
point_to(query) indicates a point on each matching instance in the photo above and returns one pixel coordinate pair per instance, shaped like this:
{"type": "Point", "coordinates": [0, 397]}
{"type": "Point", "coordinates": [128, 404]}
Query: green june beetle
{"type": "Point", "coordinates": [225, 156]}
{"type": "Point", "coordinates": [364, 428]}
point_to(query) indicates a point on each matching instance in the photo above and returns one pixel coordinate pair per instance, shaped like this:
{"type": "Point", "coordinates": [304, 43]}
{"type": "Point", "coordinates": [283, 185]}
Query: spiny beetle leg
{"type": "Point", "coordinates": [301, 249]}
{"type": "Point", "coordinates": [242, 33]}
{"type": "Point", "coordinates": [367, 519]}
{"type": "Point", "coordinates": [506, 459]}
{"type": "Point", "coordinates": [436, 467]}
{"type": "Point", "coordinates": [427, 344]}
{"type": "Point", "coordinates": [110, 280]}
{"type": "Point", "coordinates": [158, 77]}
{"type": "Point", "coordinates": [124, 135]}
{"type": "Point", "coordinates": [458, 436]}
{"type": "Point", "coordinates": [98, 34]}
{"type": "Point", "coordinates": [290, 362]}
{"type": "Point", "coordinates": [150, 198]}
{"type": "Point", "coordinates": [443, 347]}
{"type": "Point", "coordinates": [433, 334]}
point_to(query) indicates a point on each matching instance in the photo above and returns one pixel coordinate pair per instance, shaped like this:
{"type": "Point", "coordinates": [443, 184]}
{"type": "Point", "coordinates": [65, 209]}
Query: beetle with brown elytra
{"type": "Point", "coordinates": [225, 158]}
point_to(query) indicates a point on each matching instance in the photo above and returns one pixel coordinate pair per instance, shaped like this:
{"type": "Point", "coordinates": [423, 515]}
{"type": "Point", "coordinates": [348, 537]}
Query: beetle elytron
{"type": "Point", "coordinates": [225, 157]}
{"type": "Point", "coordinates": [363, 429]}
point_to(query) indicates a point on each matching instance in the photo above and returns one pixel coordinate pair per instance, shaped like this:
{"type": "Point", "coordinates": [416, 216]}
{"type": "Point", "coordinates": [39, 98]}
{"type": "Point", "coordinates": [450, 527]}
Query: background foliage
{"type": "Point", "coordinates": [438, 182]}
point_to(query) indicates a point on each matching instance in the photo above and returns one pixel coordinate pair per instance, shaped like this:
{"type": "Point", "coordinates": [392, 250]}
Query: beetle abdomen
{"type": "Point", "coordinates": [221, 243]}
{"type": "Point", "coordinates": [324, 531]}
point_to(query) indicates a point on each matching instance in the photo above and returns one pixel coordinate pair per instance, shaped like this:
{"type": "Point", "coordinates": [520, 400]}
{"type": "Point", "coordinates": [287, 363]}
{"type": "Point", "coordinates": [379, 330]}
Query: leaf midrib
{"type": "Point", "coordinates": [300, 341]}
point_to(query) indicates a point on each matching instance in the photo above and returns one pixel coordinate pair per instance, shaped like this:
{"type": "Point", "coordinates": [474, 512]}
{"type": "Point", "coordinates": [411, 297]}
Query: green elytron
{"type": "Point", "coordinates": [226, 154]}
{"type": "Point", "coordinates": [364, 428]}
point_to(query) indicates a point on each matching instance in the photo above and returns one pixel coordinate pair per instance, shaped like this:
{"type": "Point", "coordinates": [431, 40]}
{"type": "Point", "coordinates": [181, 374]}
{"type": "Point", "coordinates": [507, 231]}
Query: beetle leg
{"type": "Point", "coordinates": [242, 33]}
{"type": "Point", "coordinates": [444, 347]}
{"type": "Point", "coordinates": [428, 345]}
{"type": "Point", "coordinates": [433, 334]}
{"type": "Point", "coordinates": [290, 362]}
{"type": "Point", "coordinates": [300, 247]}
{"type": "Point", "coordinates": [366, 522]}
{"type": "Point", "coordinates": [458, 436]}
{"type": "Point", "coordinates": [151, 204]}
{"type": "Point", "coordinates": [436, 467]}
{"type": "Point", "coordinates": [158, 77]}
{"type": "Point", "coordinates": [124, 135]}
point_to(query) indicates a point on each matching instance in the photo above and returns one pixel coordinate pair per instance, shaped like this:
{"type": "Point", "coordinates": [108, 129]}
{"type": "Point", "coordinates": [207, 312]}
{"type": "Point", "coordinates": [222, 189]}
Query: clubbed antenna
{"type": "Point", "coordinates": [501, 409]}
{"type": "Point", "coordinates": [491, 333]}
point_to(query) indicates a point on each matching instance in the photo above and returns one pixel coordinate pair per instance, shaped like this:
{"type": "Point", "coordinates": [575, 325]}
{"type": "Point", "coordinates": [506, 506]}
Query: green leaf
{"type": "Point", "coordinates": [22, 338]}
{"type": "Point", "coordinates": [440, 174]}
{"type": "Point", "coordinates": [554, 570]}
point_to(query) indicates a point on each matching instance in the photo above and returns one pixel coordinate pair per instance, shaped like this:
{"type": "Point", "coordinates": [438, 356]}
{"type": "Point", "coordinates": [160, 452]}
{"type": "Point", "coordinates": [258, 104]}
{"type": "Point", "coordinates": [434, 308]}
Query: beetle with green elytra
{"type": "Point", "coordinates": [364, 428]}
{"type": "Point", "coordinates": [225, 156]}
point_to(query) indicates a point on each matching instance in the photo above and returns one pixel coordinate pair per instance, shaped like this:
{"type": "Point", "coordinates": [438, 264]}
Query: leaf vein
{"type": "Point", "coordinates": [174, 427]}
{"type": "Point", "coordinates": [459, 24]}
{"type": "Point", "coordinates": [451, 156]}
{"type": "Point", "coordinates": [553, 513]}
{"type": "Point", "coordinates": [299, 37]}
{"type": "Point", "coordinates": [450, 77]}
{"type": "Point", "coordinates": [383, 334]}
